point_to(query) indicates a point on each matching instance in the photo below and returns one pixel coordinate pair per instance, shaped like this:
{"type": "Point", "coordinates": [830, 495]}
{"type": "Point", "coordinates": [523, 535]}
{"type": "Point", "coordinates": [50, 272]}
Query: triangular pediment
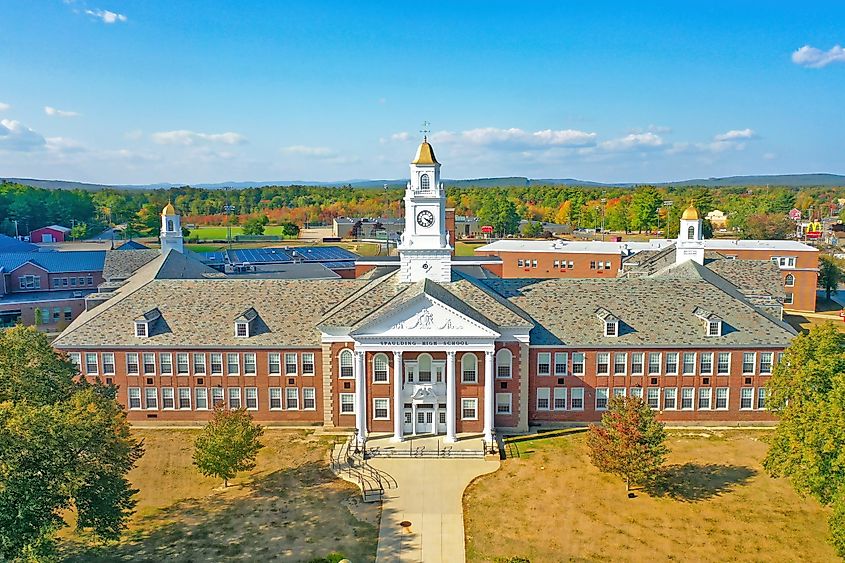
{"type": "Point", "coordinates": [424, 316]}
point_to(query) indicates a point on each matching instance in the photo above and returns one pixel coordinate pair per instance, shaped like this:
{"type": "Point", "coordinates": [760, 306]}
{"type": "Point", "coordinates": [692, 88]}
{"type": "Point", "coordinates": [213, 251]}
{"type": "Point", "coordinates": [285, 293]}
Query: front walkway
{"type": "Point", "coordinates": [429, 496]}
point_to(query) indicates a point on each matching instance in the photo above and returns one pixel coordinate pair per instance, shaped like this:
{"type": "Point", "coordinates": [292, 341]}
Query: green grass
{"type": "Point", "coordinates": [219, 233]}
{"type": "Point", "coordinates": [467, 249]}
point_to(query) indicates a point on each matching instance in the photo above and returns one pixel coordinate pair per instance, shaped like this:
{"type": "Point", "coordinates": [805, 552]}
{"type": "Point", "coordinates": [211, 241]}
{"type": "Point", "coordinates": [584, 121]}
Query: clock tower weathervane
{"type": "Point", "coordinates": [425, 251]}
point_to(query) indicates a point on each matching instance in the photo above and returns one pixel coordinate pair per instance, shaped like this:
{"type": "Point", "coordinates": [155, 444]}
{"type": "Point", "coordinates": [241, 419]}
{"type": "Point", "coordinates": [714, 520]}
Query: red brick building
{"type": "Point", "coordinates": [53, 233]}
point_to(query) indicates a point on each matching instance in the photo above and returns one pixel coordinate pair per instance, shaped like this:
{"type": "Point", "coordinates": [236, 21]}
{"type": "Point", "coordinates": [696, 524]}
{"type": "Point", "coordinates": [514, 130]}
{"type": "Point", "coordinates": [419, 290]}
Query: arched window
{"type": "Point", "coordinates": [469, 368]}
{"type": "Point", "coordinates": [346, 363]}
{"type": "Point", "coordinates": [170, 225]}
{"type": "Point", "coordinates": [424, 183]}
{"type": "Point", "coordinates": [789, 280]}
{"type": "Point", "coordinates": [691, 233]}
{"type": "Point", "coordinates": [424, 368]}
{"type": "Point", "coordinates": [503, 363]}
{"type": "Point", "coordinates": [380, 374]}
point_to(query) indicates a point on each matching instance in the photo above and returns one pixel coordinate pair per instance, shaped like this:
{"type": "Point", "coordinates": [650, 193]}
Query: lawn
{"type": "Point", "coordinates": [713, 503]}
{"type": "Point", "coordinates": [219, 233]}
{"type": "Point", "coordinates": [360, 248]}
{"type": "Point", "coordinates": [289, 508]}
{"type": "Point", "coordinates": [467, 248]}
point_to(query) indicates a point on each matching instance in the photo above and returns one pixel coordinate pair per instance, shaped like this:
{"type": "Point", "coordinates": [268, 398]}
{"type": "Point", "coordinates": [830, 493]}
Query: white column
{"type": "Point", "coordinates": [360, 396]}
{"type": "Point", "coordinates": [398, 403]}
{"type": "Point", "coordinates": [489, 396]}
{"type": "Point", "coordinates": [414, 419]}
{"type": "Point", "coordinates": [450, 397]}
{"type": "Point", "coordinates": [434, 419]}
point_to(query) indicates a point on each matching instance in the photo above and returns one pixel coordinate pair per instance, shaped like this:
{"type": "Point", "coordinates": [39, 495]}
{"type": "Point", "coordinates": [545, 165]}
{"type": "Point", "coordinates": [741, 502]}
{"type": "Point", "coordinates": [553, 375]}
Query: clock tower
{"type": "Point", "coordinates": [424, 250]}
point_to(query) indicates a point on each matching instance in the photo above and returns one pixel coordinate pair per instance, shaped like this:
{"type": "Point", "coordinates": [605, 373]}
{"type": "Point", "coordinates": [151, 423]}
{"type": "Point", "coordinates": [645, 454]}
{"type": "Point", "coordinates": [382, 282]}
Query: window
{"type": "Point", "coordinates": [73, 282]}
{"type": "Point", "coordinates": [91, 364]}
{"type": "Point", "coordinates": [687, 394]}
{"type": "Point", "coordinates": [691, 233]}
{"type": "Point", "coordinates": [234, 397]}
{"type": "Point", "coordinates": [653, 397]}
{"type": "Point", "coordinates": [132, 363]}
{"type": "Point", "coordinates": [784, 261]}
{"type": "Point", "coordinates": [601, 398]}
{"type": "Point", "coordinates": [618, 391]}
{"type": "Point", "coordinates": [503, 363]}
{"type": "Point", "coordinates": [607, 265]}
{"type": "Point", "coordinates": [30, 282]}
{"type": "Point", "coordinates": [469, 409]}
{"type": "Point", "coordinates": [670, 399]}
{"type": "Point", "coordinates": [57, 314]}
{"type": "Point", "coordinates": [274, 363]}
{"type": "Point", "coordinates": [380, 374]}
{"type": "Point", "coordinates": [519, 263]}
{"type": "Point", "coordinates": [381, 409]}
{"type": "Point", "coordinates": [560, 363]}
{"type": "Point", "coordinates": [766, 362]}
{"type": "Point", "coordinates": [602, 363]}
{"type": "Point", "coordinates": [216, 363]}
{"type": "Point", "coordinates": [249, 363]}
{"type": "Point", "coordinates": [748, 361]}
{"type": "Point", "coordinates": [469, 364]}
{"type": "Point", "coordinates": [346, 363]}
{"type": "Point", "coordinates": [723, 366]}
{"type": "Point", "coordinates": [542, 398]}
{"type": "Point", "coordinates": [706, 363]}
{"type": "Point", "coordinates": [64, 282]}
{"type": "Point", "coordinates": [788, 299]}
{"type": "Point", "coordinates": [424, 368]}
{"type": "Point", "coordinates": [108, 363]}
{"type": "Point", "coordinates": [714, 328]}
{"type": "Point", "coordinates": [57, 282]}
{"type": "Point", "coordinates": [292, 398]}
{"type": "Point", "coordinates": [167, 401]}
{"type": "Point", "coordinates": [233, 364]}
{"type": "Point", "coordinates": [761, 398]}
{"type": "Point", "coordinates": [184, 397]}
{"type": "Point", "coordinates": [592, 264]}
{"type": "Point", "coordinates": [653, 363]}
{"type": "Point", "coordinates": [165, 360]}
{"type": "Point", "coordinates": [577, 399]}
{"type": "Point", "coordinates": [201, 398]}
{"type": "Point", "coordinates": [134, 397]}
{"type": "Point", "coordinates": [559, 403]}
{"type": "Point", "coordinates": [637, 363]}
{"type": "Point", "coordinates": [251, 397]}
{"type": "Point", "coordinates": [704, 395]}
{"type": "Point", "coordinates": [721, 398]}
{"type": "Point", "coordinates": [309, 398]}
{"type": "Point", "coordinates": [276, 399]}
{"type": "Point", "coordinates": [688, 365]}
{"type": "Point", "coordinates": [425, 183]}
{"type": "Point", "coordinates": [578, 363]}
{"type": "Point", "coordinates": [789, 280]}
{"type": "Point", "coordinates": [242, 330]}
{"type": "Point", "coordinates": [182, 363]}
{"type": "Point", "coordinates": [199, 364]}
{"type": "Point", "coordinates": [141, 330]}
{"type": "Point", "coordinates": [90, 280]}
{"type": "Point", "coordinates": [503, 403]}
{"type": "Point", "coordinates": [217, 396]}
{"type": "Point", "coordinates": [68, 313]}
{"type": "Point", "coordinates": [151, 398]}
{"type": "Point", "coordinates": [672, 363]}
{"type": "Point", "coordinates": [347, 403]}
{"type": "Point", "coordinates": [290, 363]}
{"type": "Point", "coordinates": [620, 363]}
{"type": "Point", "coordinates": [149, 363]}
{"type": "Point", "coordinates": [544, 360]}
{"type": "Point", "coordinates": [610, 328]}
{"type": "Point", "coordinates": [308, 363]}
{"type": "Point", "coordinates": [533, 263]}
{"type": "Point", "coordinates": [746, 398]}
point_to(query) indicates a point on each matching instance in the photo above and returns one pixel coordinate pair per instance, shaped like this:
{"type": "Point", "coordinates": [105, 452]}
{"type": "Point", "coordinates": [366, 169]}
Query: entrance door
{"type": "Point", "coordinates": [46, 237]}
{"type": "Point", "coordinates": [424, 419]}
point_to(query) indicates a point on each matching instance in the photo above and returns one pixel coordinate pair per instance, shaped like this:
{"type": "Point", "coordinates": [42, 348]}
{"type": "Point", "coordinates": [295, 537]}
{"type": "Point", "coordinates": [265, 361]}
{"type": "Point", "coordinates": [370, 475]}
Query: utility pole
{"type": "Point", "coordinates": [603, 205]}
{"type": "Point", "coordinates": [17, 236]}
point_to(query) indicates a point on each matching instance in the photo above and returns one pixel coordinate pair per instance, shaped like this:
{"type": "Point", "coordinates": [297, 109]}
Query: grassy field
{"type": "Point", "coordinates": [219, 233]}
{"type": "Point", "coordinates": [467, 249]}
{"type": "Point", "coordinates": [361, 248]}
{"type": "Point", "coordinates": [713, 503]}
{"type": "Point", "coordinates": [289, 508]}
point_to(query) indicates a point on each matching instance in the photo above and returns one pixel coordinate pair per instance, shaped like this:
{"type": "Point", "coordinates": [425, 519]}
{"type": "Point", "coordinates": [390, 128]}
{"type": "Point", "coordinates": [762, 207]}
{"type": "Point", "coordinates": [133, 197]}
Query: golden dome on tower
{"type": "Point", "coordinates": [690, 213]}
{"type": "Point", "coordinates": [168, 209]}
{"type": "Point", "coordinates": [425, 154]}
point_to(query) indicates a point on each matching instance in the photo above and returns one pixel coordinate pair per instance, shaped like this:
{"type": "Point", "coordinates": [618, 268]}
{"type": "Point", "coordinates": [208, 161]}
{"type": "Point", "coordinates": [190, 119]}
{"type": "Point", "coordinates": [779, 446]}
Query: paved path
{"type": "Point", "coordinates": [429, 496]}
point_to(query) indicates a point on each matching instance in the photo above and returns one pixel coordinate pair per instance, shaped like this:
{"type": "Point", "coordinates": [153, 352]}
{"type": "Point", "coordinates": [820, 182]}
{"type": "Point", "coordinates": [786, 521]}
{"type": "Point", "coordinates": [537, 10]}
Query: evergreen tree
{"type": "Point", "coordinates": [644, 204]}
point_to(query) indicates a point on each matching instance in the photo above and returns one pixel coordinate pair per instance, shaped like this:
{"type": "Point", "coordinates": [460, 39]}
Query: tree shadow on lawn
{"type": "Point", "coordinates": [693, 482]}
{"type": "Point", "coordinates": [291, 514]}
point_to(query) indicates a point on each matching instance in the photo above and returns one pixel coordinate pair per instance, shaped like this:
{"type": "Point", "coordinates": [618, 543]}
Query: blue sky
{"type": "Point", "coordinates": [203, 91]}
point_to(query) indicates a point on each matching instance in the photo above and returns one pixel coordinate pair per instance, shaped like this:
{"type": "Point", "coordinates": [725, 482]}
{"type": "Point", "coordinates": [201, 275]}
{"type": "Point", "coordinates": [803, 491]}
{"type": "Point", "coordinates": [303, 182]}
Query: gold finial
{"type": "Point", "coordinates": [426, 129]}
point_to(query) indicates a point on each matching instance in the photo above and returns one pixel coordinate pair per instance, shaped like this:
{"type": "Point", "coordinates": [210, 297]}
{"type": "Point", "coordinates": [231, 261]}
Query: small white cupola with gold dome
{"type": "Point", "coordinates": [690, 245]}
{"type": "Point", "coordinates": [171, 230]}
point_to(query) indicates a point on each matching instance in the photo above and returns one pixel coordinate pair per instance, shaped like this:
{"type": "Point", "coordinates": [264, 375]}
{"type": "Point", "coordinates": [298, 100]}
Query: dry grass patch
{"type": "Point", "coordinates": [713, 503]}
{"type": "Point", "coordinates": [289, 508]}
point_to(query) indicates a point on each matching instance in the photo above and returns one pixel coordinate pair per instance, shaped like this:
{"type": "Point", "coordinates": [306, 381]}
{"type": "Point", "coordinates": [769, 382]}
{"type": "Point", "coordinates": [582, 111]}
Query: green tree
{"type": "Point", "coordinates": [766, 226]}
{"type": "Point", "coordinates": [629, 442]}
{"type": "Point", "coordinates": [807, 393]}
{"type": "Point", "coordinates": [532, 229]}
{"type": "Point", "coordinates": [830, 274]}
{"type": "Point", "coordinates": [227, 444]}
{"type": "Point", "coordinates": [79, 231]}
{"type": "Point", "coordinates": [253, 227]}
{"type": "Point", "coordinates": [64, 444]}
{"type": "Point", "coordinates": [289, 230]}
{"type": "Point", "coordinates": [644, 204]}
{"type": "Point", "coordinates": [500, 213]}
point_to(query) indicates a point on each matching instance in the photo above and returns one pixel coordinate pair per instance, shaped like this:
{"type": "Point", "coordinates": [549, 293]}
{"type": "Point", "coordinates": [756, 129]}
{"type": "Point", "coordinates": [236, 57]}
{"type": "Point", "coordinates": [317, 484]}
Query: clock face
{"type": "Point", "coordinates": [425, 218]}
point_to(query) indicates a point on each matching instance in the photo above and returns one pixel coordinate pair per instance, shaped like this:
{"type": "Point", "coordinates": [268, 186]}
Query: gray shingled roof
{"type": "Point", "coordinates": [120, 264]}
{"type": "Point", "coordinates": [751, 277]}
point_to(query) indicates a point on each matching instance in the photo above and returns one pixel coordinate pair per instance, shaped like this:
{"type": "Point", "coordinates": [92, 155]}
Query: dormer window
{"type": "Point", "coordinates": [714, 327]}
{"type": "Point", "coordinates": [611, 322]}
{"type": "Point", "coordinates": [242, 330]}
{"type": "Point", "coordinates": [141, 329]}
{"type": "Point", "coordinates": [144, 323]}
{"type": "Point", "coordinates": [244, 323]}
{"type": "Point", "coordinates": [611, 328]}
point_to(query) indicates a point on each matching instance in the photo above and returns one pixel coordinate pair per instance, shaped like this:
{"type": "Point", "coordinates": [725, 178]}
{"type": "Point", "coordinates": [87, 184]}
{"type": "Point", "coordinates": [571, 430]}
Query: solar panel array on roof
{"type": "Point", "coordinates": [328, 255]}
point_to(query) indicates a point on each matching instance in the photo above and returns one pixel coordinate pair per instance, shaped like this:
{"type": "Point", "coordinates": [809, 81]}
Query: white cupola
{"type": "Point", "coordinates": [171, 230]}
{"type": "Point", "coordinates": [690, 245]}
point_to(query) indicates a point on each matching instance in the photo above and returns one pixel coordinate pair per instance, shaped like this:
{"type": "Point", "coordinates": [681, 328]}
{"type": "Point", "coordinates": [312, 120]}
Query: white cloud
{"type": "Point", "coordinates": [816, 58]}
{"type": "Point", "coordinates": [735, 135]}
{"type": "Point", "coordinates": [64, 145]}
{"type": "Point", "coordinates": [518, 138]}
{"type": "Point", "coordinates": [310, 152]}
{"type": "Point", "coordinates": [735, 139]}
{"type": "Point", "coordinates": [189, 138]}
{"type": "Point", "coordinates": [4, 107]}
{"type": "Point", "coordinates": [634, 141]}
{"type": "Point", "coordinates": [402, 136]}
{"type": "Point", "coordinates": [133, 135]}
{"type": "Point", "coordinates": [107, 16]}
{"type": "Point", "coordinates": [53, 112]}
{"type": "Point", "coordinates": [15, 136]}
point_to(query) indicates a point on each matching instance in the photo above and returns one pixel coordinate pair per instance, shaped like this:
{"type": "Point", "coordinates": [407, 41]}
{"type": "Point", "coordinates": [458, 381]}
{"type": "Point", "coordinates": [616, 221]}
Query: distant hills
{"type": "Point", "coordinates": [791, 180]}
